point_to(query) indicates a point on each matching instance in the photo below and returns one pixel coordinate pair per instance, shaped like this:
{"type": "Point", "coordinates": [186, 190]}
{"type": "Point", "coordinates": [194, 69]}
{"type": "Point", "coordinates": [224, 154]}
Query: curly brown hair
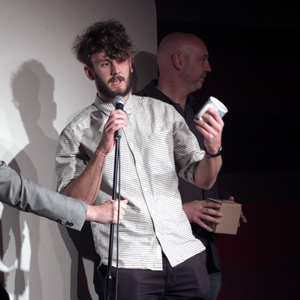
{"type": "Point", "coordinates": [108, 36]}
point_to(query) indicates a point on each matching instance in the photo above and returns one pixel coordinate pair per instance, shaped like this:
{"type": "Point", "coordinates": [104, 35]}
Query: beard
{"type": "Point", "coordinates": [103, 88]}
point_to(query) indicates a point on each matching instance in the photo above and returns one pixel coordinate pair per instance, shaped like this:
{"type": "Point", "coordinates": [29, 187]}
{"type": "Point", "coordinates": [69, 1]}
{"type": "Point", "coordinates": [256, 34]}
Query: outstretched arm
{"type": "Point", "coordinates": [25, 195]}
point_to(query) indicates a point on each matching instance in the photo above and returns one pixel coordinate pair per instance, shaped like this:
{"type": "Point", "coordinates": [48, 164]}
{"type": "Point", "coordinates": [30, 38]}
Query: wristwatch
{"type": "Point", "coordinates": [214, 155]}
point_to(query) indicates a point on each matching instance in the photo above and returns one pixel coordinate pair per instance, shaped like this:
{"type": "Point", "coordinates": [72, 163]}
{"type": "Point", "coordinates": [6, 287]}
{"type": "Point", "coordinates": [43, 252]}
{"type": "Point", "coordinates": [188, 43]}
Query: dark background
{"type": "Point", "coordinates": [254, 53]}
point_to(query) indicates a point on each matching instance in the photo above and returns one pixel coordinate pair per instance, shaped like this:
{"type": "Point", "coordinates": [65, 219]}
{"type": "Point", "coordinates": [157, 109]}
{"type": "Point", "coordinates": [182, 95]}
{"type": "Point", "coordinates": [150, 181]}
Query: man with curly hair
{"type": "Point", "coordinates": [159, 258]}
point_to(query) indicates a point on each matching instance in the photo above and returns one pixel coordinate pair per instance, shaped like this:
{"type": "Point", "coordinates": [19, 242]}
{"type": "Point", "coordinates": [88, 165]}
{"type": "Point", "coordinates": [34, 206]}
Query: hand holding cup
{"type": "Point", "coordinates": [214, 103]}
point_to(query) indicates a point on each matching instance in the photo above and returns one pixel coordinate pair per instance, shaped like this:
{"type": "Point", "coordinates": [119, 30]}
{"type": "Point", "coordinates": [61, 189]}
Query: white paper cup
{"type": "Point", "coordinates": [214, 103]}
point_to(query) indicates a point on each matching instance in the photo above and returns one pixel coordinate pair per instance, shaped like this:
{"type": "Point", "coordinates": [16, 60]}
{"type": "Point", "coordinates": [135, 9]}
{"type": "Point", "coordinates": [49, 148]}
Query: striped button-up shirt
{"type": "Point", "coordinates": [155, 146]}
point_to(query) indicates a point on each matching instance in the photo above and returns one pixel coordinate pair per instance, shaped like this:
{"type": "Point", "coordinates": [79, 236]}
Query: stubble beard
{"type": "Point", "coordinates": [103, 88]}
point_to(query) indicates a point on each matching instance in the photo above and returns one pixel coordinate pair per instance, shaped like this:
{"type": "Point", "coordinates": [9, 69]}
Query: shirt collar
{"type": "Point", "coordinates": [151, 89]}
{"type": "Point", "coordinates": [107, 108]}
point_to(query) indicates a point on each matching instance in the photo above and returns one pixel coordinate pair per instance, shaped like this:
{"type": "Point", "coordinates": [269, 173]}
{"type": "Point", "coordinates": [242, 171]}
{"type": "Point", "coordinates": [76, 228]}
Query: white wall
{"type": "Point", "coordinates": [42, 87]}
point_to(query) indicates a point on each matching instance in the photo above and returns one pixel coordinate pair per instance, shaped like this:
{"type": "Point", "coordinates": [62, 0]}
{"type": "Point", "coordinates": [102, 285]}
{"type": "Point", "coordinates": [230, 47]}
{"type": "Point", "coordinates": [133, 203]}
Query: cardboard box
{"type": "Point", "coordinates": [231, 215]}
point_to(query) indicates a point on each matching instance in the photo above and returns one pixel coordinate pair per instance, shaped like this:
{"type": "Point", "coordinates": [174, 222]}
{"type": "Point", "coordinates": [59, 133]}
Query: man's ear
{"type": "Point", "coordinates": [177, 61]}
{"type": "Point", "coordinates": [89, 73]}
{"type": "Point", "coordinates": [130, 64]}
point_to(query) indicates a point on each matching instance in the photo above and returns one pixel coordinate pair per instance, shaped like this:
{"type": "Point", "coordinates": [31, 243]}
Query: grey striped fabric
{"type": "Point", "coordinates": [154, 141]}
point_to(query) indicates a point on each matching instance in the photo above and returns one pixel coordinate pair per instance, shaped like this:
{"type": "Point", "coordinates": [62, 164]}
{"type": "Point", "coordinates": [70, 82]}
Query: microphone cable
{"type": "Point", "coordinates": [118, 220]}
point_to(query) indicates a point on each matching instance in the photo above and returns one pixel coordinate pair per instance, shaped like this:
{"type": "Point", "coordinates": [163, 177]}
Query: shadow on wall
{"type": "Point", "coordinates": [26, 274]}
{"type": "Point", "coordinates": [144, 61]}
{"type": "Point", "coordinates": [32, 89]}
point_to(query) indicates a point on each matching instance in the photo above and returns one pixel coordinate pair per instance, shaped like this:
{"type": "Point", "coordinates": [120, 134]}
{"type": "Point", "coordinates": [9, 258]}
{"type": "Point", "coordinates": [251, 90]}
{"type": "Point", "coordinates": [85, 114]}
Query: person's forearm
{"type": "Point", "coordinates": [206, 171]}
{"type": "Point", "coordinates": [86, 186]}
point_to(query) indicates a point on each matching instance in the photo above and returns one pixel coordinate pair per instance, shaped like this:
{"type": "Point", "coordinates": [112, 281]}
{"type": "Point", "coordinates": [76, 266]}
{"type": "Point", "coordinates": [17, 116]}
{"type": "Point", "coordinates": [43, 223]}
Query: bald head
{"type": "Point", "coordinates": [182, 59]}
{"type": "Point", "coordinates": [179, 42]}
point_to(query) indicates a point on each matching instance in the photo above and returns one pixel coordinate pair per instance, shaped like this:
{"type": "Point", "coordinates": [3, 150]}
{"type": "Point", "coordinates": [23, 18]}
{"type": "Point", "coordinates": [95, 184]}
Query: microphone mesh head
{"type": "Point", "coordinates": [118, 100]}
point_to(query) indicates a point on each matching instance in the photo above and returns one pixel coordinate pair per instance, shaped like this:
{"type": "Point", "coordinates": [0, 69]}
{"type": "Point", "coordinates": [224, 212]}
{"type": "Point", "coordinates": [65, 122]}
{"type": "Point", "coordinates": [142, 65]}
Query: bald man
{"type": "Point", "coordinates": [183, 65]}
{"type": "Point", "coordinates": [25, 195]}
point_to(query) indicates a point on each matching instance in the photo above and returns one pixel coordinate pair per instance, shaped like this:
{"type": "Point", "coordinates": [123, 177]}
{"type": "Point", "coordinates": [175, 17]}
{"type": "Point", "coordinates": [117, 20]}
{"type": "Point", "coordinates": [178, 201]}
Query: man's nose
{"type": "Point", "coordinates": [115, 69]}
{"type": "Point", "coordinates": [208, 67]}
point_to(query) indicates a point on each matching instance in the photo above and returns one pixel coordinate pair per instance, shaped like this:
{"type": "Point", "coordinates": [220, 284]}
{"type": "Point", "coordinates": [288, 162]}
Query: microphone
{"type": "Point", "coordinates": [118, 103]}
